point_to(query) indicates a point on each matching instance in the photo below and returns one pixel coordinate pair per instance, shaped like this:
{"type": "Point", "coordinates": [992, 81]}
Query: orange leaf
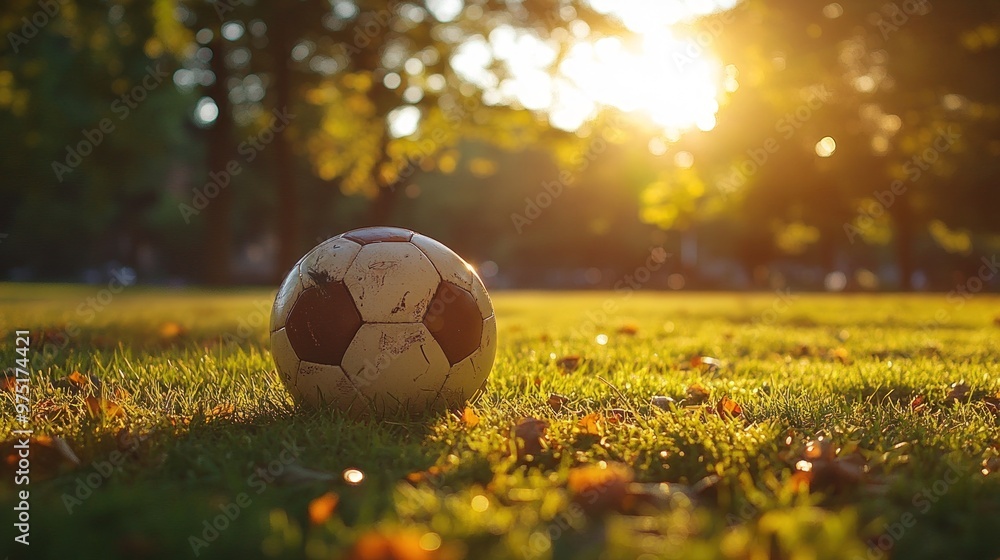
{"type": "Point", "coordinates": [98, 407]}
{"type": "Point", "coordinates": [421, 476]}
{"type": "Point", "coordinates": [322, 507]}
{"type": "Point", "coordinates": [469, 418]}
{"type": "Point", "coordinates": [590, 424]}
{"type": "Point", "coordinates": [842, 355]}
{"type": "Point", "coordinates": [78, 379]}
{"type": "Point", "coordinates": [727, 407]}
{"type": "Point", "coordinates": [171, 330]}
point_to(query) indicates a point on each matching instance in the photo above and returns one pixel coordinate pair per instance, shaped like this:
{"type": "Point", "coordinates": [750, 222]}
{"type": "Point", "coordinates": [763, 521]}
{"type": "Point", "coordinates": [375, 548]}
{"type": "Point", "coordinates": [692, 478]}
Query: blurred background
{"type": "Point", "coordinates": [848, 145]}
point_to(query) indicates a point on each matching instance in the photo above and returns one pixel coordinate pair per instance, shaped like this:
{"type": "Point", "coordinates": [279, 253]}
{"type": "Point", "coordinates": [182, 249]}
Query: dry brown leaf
{"type": "Point", "coordinates": [919, 404]}
{"type": "Point", "coordinates": [696, 394]}
{"type": "Point", "coordinates": [469, 418]}
{"type": "Point", "coordinates": [221, 410]}
{"type": "Point", "coordinates": [628, 330]}
{"type": "Point", "coordinates": [569, 363]}
{"type": "Point", "coordinates": [662, 402]}
{"type": "Point", "coordinates": [529, 436]}
{"type": "Point", "coordinates": [322, 508]}
{"type": "Point", "coordinates": [98, 407]}
{"type": "Point", "coordinates": [557, 401]}
{"type": "Point", "coordinates": [958, 392]}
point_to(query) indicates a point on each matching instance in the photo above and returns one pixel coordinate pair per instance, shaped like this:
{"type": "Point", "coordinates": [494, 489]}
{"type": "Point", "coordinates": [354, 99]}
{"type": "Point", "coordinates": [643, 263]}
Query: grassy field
{"type": "Point", "coordinates": [800, 427]}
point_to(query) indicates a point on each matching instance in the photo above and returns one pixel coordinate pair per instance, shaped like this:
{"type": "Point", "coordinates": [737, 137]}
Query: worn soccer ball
{"type": "Point", "coordinates": [383, 321]}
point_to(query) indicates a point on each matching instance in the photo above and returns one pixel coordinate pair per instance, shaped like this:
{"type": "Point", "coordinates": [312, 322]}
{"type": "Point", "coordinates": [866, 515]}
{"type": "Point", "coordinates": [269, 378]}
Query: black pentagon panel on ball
{"type": "Point", "coordinates": [454, 320]}
{"type": "Point", "coordinates": [323, 323]}
{"type": "Point", "coordinates": [379, 234]}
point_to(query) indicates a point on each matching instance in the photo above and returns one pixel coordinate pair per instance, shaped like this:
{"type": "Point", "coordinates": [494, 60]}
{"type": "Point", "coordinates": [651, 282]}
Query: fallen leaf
{"type": "Point", "coordinates": [400, 545]}
{"type": "Point", "coordinates": [599, 488]}
{"type": "Point", "coordinates": [49, 456]}
{"type": "Point", "coordinates": [430, 474]}
{"type": "Point", "coordinates": [628, 330]}
{"type": "Point", "coordinates": [696, 394]}
{"type": "Point", "coordinates": [590, 424]}
{"type": "Point", "coordinates": [665, 403]}
{"type": "Point", "coordinates": [469, 418]}
{"type": "Point", "coordinates": [171, 330]}
{"type": "Point", "coordinates": [728, 408]}
{"type": "Point", "coordinates": [77, 383]}
{"type": "Point", "coordinates": [842, 355]}
{"type": "Point", "coordinates": [221, 410]}
{"type": "Point", "coordinates": [77, 378]}
{"type": "Point", "coordinates": [706, 363]}
{"type": "Point", "coordinates": [9, 383]}
{"type": "Point", "coordinates": [557, 401]}
{"type": "Point", "coordinates": [569, 363]}
{"type": "Point", "coordinates": [98, 407]}
{"type": "Point", "coordinates": [919, 404]}
{"type": "Point", "coordinates": [322, 508]}
{"type": "Point", "coordinates": [958, 392]}
{"type": "Point", "coordinates": [529, 437]}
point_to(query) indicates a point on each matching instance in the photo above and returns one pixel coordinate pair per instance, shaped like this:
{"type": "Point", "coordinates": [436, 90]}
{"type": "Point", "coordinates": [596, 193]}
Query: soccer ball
{"type": "Point", "coordinates": [383, 321]}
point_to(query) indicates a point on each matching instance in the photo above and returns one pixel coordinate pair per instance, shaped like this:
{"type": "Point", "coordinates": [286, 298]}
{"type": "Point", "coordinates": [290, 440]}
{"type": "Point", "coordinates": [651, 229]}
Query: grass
{"type": "Point", "coordinates": [203, 417]}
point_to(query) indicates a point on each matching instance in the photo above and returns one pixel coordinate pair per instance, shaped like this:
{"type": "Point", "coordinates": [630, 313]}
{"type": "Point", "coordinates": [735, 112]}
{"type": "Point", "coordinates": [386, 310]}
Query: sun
{"type": "Point", "coordinates": [658, 75]}
{"type": "Point", "coordinates": [676, 85]}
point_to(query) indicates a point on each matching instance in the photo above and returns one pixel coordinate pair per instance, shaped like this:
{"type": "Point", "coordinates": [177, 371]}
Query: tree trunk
{"type": "Point", "coordinates": [218, 247]}
{"type": "Point", "coordinates": [289, 220]}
